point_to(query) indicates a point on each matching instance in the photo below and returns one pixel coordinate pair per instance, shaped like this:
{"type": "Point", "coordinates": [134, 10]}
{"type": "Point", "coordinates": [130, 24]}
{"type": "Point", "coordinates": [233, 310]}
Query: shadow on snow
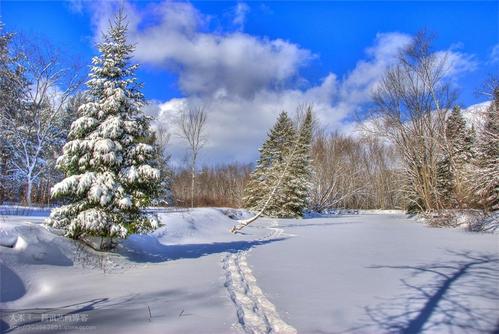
{"type": "Point", "coordinates": [460, 295]}
{"type": "Point", "coordinates": [145, 248]}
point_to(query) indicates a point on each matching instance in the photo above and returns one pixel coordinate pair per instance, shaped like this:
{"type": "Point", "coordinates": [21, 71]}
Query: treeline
{"type": "Point", "coordinates": [346, 172]}
{"type": "Point", "coordinates": [221, 185]}
{"type": "Point", "coordinates": [354, 172]}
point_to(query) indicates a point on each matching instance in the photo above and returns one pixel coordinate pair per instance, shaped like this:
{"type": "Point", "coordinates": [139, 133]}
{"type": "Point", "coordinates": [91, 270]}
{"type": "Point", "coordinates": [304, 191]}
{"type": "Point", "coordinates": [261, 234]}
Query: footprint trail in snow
{"type": "Point", "coordinates": [256, 314]}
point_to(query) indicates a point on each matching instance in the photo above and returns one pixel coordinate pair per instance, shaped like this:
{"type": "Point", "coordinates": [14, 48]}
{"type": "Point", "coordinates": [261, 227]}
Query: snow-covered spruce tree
{"type": "Point", "coordinates": [486, 177]}
{"type": "Point", "coordinates": [296, 184]}
{"type": "Point", "coordinates": [266, 174]}
{"type": "Point", "coordinates": [107, 160]}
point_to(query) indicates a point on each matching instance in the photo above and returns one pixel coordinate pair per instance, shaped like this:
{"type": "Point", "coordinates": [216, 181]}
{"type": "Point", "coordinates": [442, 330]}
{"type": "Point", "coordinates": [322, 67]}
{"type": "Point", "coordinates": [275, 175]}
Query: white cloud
{"type": "Point", "coordinates": [457, 62]}
{"type": "Point", "coordinates": [241, 10]}
{"type": "Point", "coordinates": [232, 63]}
{"type": "Point", "coordinates": [494, 54]}
{"type": "Point", "coordinates": [244, 81]}
{"type": "Point", "coordinates": [238, 125]}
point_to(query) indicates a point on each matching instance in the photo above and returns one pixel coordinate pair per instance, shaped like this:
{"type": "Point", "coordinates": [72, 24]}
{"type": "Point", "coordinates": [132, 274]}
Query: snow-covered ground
{"type": "Point", "coordinates": [363, 273]}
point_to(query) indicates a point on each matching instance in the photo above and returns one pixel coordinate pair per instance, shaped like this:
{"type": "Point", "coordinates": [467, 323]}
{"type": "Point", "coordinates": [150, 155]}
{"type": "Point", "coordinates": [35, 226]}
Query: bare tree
{"type": "Point", "coordinates": [333, 170]}
{"type": "Point", "coordinates": [40, 123]}
{"type": "Point", "coordinates": [411, 102]}
{"type": "Point", "coordinates": [192, 124]}
{"type": "Point", "coordinates": [353, 173]}
{"type": "Point", "coordinates": [162, 137]}
{"type": "Point", "coordinates": [220, 185]}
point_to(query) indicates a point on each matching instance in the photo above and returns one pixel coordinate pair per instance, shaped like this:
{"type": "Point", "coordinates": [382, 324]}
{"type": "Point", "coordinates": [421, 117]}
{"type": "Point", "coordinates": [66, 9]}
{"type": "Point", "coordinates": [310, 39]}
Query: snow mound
{"type": "Point", "coordinates": [195, 226]}
{"type": "Point", "coordinates": [188, 234]}
{"type": "Point", "coordinates": [336, 212]}
{"type": "Point", "coordinates": [28, 243]}
{"type": "Point", "coordinates": [8, 236]}
{"type": "Point", "coordinates": [236, 214]}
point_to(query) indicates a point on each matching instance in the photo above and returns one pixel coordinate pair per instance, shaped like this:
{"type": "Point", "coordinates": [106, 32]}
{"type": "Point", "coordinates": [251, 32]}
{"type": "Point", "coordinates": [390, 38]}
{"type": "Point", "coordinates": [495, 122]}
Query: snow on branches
{"type": "Point", "coordinates": [279, 185]}
{"type": "Point", "coordinates": [109, 160]}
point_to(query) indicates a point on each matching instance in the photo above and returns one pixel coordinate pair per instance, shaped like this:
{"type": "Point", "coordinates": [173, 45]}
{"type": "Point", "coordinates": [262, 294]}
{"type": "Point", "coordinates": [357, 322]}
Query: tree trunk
{"type": "Point", "coordinates": [28, 191]}
{"type": "Point", "coordinates": [193, 179]}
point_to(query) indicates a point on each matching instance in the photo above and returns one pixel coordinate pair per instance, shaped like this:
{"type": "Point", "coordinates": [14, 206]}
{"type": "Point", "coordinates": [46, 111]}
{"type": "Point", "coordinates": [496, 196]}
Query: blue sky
{"type": "Point", "coordinates": [329, 53]}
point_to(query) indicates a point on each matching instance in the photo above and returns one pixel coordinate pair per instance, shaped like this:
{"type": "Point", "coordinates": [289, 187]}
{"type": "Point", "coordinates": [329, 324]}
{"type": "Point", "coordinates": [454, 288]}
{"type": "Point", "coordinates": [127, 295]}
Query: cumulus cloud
{"type": "Point", "coordinates": [232, 63]}
{"type": "Point", "coordinates": [238, 125]}
{"type": "Point", "coordinates": [244, 81]}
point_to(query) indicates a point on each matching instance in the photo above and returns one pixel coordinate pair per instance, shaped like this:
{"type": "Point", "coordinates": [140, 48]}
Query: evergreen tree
{"type": "Point", "coordinates": [110, 166]}
{"type": "Point", "coordinates": [266, 173]}
{"type": "Point", "coordinates": [460, 138]}
{"type": "Point", "coordinates": [297, 180]}
{"type": "Point", "coordinates": [280, 182]}
{"type": "Point", "coordinates": [487, 158]}
{"type": "Point", "coordinates": [453, 166]}
{"type": "Point", "coordinates": [445, 178]}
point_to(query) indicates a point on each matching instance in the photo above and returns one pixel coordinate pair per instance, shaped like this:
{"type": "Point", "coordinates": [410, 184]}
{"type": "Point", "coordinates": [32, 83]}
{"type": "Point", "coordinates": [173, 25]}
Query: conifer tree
{"type": "Point", "coordinates": [487, 158]}
{"type": "Point", "coordinates": [459, 137]}
{"type": "Point", "coordinates": [266, 173]}
{"type": "Point", "coordinates": [452, 168]}
{"type": "Point", "coordinates": [109, 165]}
{"type": "Point", "coordinates": [445, 178]}
{"type": "Point", "coordinates": [297, 183]}
{"type": "Point", "coordinates": [280, 182]}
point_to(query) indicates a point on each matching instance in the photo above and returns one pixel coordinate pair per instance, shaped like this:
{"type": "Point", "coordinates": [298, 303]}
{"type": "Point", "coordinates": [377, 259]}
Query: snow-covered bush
{"type": "Point", "coordinates": [468, 219]}
{"type": "Point", "coordinates": [489, 223]}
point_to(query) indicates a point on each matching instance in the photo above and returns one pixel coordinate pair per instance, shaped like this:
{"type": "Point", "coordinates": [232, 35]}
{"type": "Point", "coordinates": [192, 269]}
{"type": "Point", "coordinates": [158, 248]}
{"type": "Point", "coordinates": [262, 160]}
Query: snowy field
{"type": "Point", "coordinates": [362, 273]}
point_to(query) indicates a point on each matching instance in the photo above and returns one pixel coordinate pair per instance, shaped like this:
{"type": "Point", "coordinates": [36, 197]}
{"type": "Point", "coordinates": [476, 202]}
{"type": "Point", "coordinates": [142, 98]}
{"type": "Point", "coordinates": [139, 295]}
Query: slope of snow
{"type": "Point", "coordinates": [364, 273]}
{"type": "Point", "coordinates": [171, 280]}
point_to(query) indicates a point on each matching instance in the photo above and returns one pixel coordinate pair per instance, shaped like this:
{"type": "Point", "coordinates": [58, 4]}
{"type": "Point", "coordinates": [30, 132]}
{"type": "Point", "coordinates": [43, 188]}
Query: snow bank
{"type": "Point", "coordinates": [195, 226]}
{"type": "Point", "coordinates": [19, 210]}
{"type": "Point", "coordinates": [187, 234]}
{"type": "Point", "coordinates": [335, 212]}
{"type": "Point", "coordinates": [8, 235]}
{"type": "Point", "coordinates": [236, 214]}
{"type": "Point", "coordinates": [489, 223]}
{"type": "Point", "coordinates": [29, 243]}
{"type": "Point", "coordinates": [466, 219]}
